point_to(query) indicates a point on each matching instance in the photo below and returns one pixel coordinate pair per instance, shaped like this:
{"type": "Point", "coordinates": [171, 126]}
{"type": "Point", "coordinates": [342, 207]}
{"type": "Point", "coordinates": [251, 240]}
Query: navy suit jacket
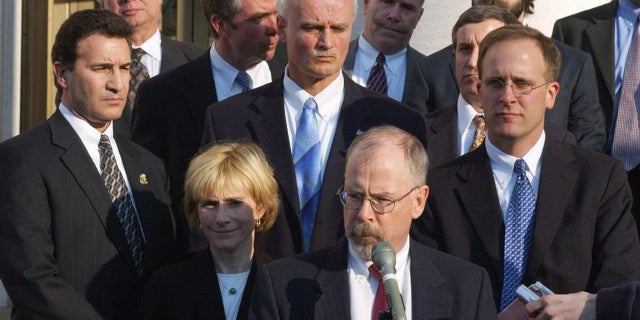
{"type": "Point", "coordinates": [174, 54]}
{"type": "Point", "coordinates": [432, 85]}
{"type": "Point", "coordinates": [442, 134]}
{"type": "Point", "coordinates": [619, 303]}
{"type": "Point", "coordinates": [63, 252]}
{"type": "Point", "coordinates": [189, 290]}
{"type": "Point", "coordinates": [316, 286]}
{"type": "Point", "coordinates": [168, 119]}
{"type": "Point", "coordinates": [584, 236]}
{"type": "Point", "coordinates": [413, 56]}
{"type": "Point", "coordinates": [259, 115]}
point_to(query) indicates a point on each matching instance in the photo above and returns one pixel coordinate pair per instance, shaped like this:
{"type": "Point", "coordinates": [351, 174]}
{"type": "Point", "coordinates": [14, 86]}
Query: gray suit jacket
{"type": "Point", "coordinates": [316, 286]}
{"type": "Point", "coordinates": [432, 85]}
{"type": "Point", "coordinates": [174, 54]}
{"type": "Point", "coordinates": [63, 252]}
{"type": "Point", "coordinates": [413, 56]}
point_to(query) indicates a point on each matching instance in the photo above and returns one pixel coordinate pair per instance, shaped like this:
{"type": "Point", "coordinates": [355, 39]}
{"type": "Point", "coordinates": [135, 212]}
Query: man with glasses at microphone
{"type": "Point", "coordinates": [384, 191]}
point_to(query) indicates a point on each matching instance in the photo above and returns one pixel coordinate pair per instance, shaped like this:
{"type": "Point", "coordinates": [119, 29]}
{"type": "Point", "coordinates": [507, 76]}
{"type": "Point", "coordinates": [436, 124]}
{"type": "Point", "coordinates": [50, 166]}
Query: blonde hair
{"type": "Point", "coordinates": [240, 165]}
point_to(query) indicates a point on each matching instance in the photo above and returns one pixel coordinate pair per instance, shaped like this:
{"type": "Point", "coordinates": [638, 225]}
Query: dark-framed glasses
{"type": "Point", "coordinates": [353, 201]}
{"type": "Point", "coordinates": [519, 88]}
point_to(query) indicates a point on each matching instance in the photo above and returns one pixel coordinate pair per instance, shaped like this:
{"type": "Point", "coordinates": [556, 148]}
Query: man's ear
{"type": "Point", "coordinates": [282, 29]}
{"type": "Point", "coordinates": [60, 72]}
{"type": "Point", "coordinates": [220, 26]}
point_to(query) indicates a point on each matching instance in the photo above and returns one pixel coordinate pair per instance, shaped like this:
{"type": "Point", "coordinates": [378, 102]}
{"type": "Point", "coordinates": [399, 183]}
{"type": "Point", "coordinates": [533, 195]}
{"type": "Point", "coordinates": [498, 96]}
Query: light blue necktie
{"type": "Point", "coordinates": [243, 80]}
{"type": "Point", "coordinates": [306, 158]}
{"type": "Point", "coordinates": [518, 233]}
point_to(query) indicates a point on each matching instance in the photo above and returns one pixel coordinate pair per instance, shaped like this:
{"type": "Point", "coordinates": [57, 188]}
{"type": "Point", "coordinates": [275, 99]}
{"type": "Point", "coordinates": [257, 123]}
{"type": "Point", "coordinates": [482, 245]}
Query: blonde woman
{"type": "Point", "coordinates": [230, 195]}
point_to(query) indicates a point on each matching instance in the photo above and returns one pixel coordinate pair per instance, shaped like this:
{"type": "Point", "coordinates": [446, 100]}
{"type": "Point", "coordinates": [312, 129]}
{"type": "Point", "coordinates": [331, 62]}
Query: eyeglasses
{"type": "Point", "coordinates": [519, 88]}
{"type": "Point", "coordinates": [353, 201]}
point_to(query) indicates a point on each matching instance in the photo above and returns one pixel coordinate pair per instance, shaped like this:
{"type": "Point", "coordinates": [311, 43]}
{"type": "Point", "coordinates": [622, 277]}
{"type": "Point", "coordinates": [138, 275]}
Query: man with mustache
{"type": "Point", "coordinates": [153, 53]}
{"type": "Point", "coordinates": [84, 216]}
{"type": "Point", "coordinates": [384, 191]}
{"type": "Point", "coordinates": [168, 118]}
{"type": "Point", "coordinates": [381, 57]}
{"type": "Point", "coordinates": [305, 120]}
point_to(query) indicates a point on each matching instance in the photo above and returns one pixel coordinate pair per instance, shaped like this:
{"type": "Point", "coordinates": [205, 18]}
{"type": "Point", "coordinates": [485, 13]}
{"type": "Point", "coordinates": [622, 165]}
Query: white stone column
{"type": "Point", "coordinates": [10, 45]}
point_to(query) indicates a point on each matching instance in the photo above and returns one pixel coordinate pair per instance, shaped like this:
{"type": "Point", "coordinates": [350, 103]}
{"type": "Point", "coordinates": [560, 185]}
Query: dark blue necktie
{"type": "Point", "coordinates": [306, 159]}
{"type": "Point", "coordinates": [243, 80]}
{"type": "Point", "coordinates": [377, 77]}
{"type": "Point", "coordinates": [518, 233]}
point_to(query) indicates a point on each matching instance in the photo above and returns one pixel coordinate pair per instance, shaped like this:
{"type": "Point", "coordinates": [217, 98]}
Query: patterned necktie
{"type": "Point", "coordinates": [479, 135]}
{"type": "Point", "coordinates": [306, 159]}
{"type": "Point", "coordinates": [377, 78]}
{"type": "Point", "coordinates": [114, 182]}
{"type": "Point", "coordinates": [138, 72]}
{"type": "Point", "coordinates": [380, 302]}
{"type": "Point", "coordinates": [243, 80]}
{"type": "Point", "coordinates": [626, 135]}
{"type": "Point", "coordinates": [518, 233]}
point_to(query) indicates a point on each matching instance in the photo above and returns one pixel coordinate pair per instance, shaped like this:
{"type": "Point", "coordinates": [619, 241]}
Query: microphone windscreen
{"type": "Point", "coordinates": [383, 254]}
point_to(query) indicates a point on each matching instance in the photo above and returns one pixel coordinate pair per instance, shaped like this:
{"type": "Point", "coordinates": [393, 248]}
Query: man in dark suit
{"type": "Point", "coordinates": [523, 206]}
{"type": "Point", "coordinates": [84, 216]}
{"type": "Point", "coordinates": [273, 114]}
{"type": "Point", "coordinates": [606, 33]}
{"type": "Point", "coordinates": [161, 53]}
{"type": "Point", "coordinates": [384, 191]}
{"type": "Point", "coordinates": [433, 86]}
{"type": "Point", "coordinates": [388, 27]}
{"type": "Point", "coordinates": [168, 117]}
{"type": "Point", "coordinates": [456, 129]}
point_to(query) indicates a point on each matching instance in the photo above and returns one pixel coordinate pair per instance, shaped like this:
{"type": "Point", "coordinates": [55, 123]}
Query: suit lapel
{"type": "Point", "coordinates": [350, 60]}
{"type": "Point", "coordinates": [480, 203]}
{"type": "Point", "coordinates": [82, 168]}
{"type": "Point", "coordinates": [202, 284]}
{"type": "Point", "coordinates": [428, 299]}
{"type": "Point", "coordinates": [442, 136]}
{"type": "Point", "coordinates": [557, 177]}
{"type": "Point", "coordinates": [600, 36]}
{"type": "Point", "coordinates": [333, 279]}
{"type": "Point", "coordinates": [270, 129]}
{"type": "Point", "coordinates": [201, 90]}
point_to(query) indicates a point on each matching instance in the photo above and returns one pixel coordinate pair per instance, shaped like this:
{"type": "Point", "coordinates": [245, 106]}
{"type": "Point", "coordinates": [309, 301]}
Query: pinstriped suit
{"type": "Point", "coordinates": [63, 253]}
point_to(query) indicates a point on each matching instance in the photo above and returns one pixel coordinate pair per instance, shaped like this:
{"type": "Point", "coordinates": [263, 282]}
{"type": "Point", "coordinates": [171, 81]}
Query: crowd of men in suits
{"type": "Point", "coordinates": [531, 146]}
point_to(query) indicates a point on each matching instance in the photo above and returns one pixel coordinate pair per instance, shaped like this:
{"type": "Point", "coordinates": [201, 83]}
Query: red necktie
{"type": "Point", "coordinates": [377, 77]}
{"type": "Point", "coordinates": [380, 302]}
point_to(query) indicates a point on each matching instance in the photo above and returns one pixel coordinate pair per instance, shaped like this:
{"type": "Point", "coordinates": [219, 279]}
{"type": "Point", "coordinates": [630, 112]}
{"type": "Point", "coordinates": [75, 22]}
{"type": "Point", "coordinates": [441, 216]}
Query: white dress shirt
{"type": "Point", "coordinates": [329, 102]}
{"type": "Point", "coordinates": [502, 166]}
{"type": "Point", "coordinates": [153, 53]}
{"type": "Point", "coordinates": [90, 138]}
{"type": "Point", "coordinates": [466, 126]}
{"type": "Point", "coordinates": [363, 287]}
{"type": "Point", "coordinates": [395, 68]}
{"type": "Point", "coordinates": [225, 74]}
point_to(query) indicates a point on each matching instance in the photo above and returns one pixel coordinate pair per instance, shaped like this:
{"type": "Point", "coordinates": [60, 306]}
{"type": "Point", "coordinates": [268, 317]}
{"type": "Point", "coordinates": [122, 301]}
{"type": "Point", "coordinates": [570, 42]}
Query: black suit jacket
{"type": "Point", "coordinates": [316, 286]}
{"type": "Point", "coordinates": [619, 303]}
{"type": "Point", "coordinates": [174, 54]}
{"type": "Point", "coordinates": [442, 134]}
{"type": "Point", "coordinates": [584, 235]}
{"type": "Point", "coordinates": [432, 85]}
{"type": "Point", "coordinates": [593, 31]}
{"type": "Point", "coordinates": [168, 119]}
{"type": "Point", "coordinates": [189, 290]}
{"type": "Point", "coordinates": [63, 250]}
{"type": "Point", "coordinates": [259, 115]}
{"type": "Point", "coordinates": [413, 56]}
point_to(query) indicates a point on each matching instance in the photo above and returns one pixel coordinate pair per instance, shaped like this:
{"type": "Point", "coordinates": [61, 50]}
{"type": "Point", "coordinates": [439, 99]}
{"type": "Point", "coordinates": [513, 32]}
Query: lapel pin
{"type": "Point", "coordinates": [143, 179]}
{"type": "Point", "coordinates": [359, 132]}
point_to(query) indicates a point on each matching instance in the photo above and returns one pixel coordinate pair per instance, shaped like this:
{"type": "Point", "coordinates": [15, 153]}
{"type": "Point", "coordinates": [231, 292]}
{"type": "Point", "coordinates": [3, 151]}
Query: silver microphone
{"type": "Point", "coordinates": [384, 257]}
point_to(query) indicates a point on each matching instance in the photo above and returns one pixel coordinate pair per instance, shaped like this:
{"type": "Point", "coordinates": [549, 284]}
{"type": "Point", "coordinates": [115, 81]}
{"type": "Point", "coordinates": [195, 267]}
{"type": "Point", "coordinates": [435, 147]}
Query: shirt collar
{"type": "Point", "coordinates": [325, 98]}
{"type": "Point", "coordinates": [361, 266]}
{"type": "Point", "coordinates": [84, 130]}
{"type": "Point", "coordinates": [393, 62]}
{"type": "Point", "coordinates": [465, 114]}
{"type": "Point", "coordinates": [152, 46]}
{"type": "Point", "coordinates": [502, 163]}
